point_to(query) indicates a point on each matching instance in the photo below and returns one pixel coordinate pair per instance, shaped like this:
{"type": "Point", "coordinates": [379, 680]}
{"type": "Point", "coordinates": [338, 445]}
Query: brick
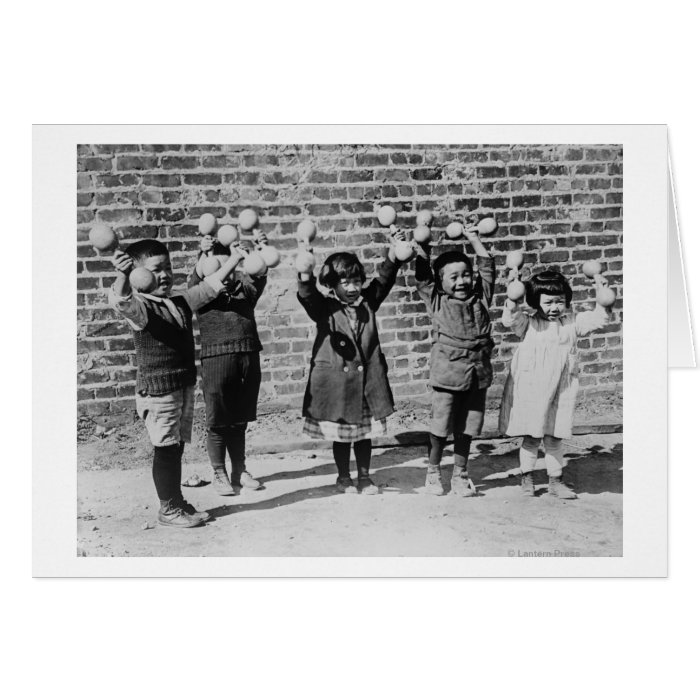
{"type": "Point", "coordinates": [136, 162]}
{"type": "Point", "coordinates": [562, 205]}
{"type": "Point", "coordinates": [178, 162]}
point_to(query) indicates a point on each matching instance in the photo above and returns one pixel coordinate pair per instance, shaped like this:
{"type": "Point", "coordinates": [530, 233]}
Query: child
{"type": "Point", "coordinates": [460, 359]}
{"type": "Point", "coordinates": [162, 326]}
{"type": "Point", "coordinates": [348, 397]}
{"type": "Point", "coordinates": [540, 391]}
{"type": "Point", "coordinates": [230, 369]}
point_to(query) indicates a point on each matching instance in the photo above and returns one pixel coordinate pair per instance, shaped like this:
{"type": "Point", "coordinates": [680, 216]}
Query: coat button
{"type": "Point", "coordinates": [345, 369]}
{"type": "Point", "coordinates": [360, 368]}
{"type": "Point", "coordinates": [342, 343]}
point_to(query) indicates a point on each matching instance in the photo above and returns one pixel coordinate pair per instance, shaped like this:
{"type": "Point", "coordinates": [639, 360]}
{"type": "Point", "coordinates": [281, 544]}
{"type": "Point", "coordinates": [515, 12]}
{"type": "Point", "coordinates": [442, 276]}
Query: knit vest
{"type": "Point", "coordinates": [227, 324]}
{"type": "Point", "coordinates": [165, 350]}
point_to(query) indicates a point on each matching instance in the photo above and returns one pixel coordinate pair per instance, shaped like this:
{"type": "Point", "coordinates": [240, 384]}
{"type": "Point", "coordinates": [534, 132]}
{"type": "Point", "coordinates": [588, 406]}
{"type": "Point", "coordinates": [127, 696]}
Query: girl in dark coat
{"type": "Point", "coordinates": [348, 397]}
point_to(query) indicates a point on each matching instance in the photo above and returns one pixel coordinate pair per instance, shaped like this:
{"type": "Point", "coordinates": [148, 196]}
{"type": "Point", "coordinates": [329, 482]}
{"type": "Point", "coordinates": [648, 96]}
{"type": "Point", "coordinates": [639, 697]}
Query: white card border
{"type": "Point", "coordinates": [644, 351]}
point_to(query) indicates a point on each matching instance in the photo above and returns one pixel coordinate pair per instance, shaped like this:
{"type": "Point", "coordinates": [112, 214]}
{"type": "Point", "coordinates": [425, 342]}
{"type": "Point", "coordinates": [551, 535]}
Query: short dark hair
{"type": "Point", "coordinates": [548, 282]}
{"type": "Point", "coordinates": [147, 248]}
{"type": "Point", "coordinates": [451, 256]}
{"type": "Point", "coordinates": [340, 265]}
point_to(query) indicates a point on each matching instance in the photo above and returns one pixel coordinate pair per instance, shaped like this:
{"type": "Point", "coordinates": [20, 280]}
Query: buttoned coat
{"type": "Point", "coordinates": [347, 368]}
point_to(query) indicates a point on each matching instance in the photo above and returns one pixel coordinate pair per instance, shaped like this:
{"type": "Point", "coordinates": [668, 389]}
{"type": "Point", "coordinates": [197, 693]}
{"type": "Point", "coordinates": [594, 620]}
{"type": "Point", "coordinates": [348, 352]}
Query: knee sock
{"type": "Point", "coordinates": [528, 453]}
{"type": "Point", "coordinates": [235, 444]}
{"type": "Point", "coordinates": [437, 445]}
{"type": "Point", "coordinates": [363, 456]}
{"type": "Point", "coordinates": [462, 444]}
{"type": "Point", "coordinates": [553, 455]}
{"type": "Point", "coordinates": [167, 471]}
{"type": "Point", "coordinates": [216, 447]}
{"type": "Point", "coordinates": [341, 455]}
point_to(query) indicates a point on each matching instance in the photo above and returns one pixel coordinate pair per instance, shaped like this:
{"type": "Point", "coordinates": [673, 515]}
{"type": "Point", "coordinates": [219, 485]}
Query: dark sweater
{"type": "Point", "coordinates": [227, 324]}
{"type": "Point", "coordinates": [165, 350]}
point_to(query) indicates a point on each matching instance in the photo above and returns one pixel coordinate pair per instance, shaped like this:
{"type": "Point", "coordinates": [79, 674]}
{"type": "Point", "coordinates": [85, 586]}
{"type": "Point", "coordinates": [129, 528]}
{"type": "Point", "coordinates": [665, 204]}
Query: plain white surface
{"type": "Point", "coordinates": [520, 63]}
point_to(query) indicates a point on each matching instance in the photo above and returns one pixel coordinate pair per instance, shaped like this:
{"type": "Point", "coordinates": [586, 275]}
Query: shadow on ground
{"type": "Point", "coordinates": [592, 470]}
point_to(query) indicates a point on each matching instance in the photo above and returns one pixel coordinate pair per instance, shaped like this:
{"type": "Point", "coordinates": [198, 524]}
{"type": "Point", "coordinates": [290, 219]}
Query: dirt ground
{"type": "Point", "coordinates": [299, 513]}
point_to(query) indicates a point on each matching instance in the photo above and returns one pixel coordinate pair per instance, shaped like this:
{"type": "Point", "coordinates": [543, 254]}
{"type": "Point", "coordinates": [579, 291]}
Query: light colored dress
{"type": "Point", "coordinates": [540, 391]}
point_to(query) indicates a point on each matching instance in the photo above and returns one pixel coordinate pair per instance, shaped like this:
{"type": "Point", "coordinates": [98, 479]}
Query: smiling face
{"type": "Point", "coordinates": [456, 279]}
{"type": "Point", "coordinates": [160, 266]}
{"type": "Point", "coordinates": [348, 289]}
{"type": "Point", "coordinates": [552, 306]}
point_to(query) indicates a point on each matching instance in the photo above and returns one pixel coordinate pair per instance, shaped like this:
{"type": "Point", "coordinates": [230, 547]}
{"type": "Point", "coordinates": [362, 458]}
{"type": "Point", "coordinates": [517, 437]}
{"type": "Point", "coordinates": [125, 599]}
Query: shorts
{"type": "Point", "coordinates": [168, 417]}
{"type": "Point", "coordinates": [231, 384]}
{"type": "Point", "coordinates": [458, 412]}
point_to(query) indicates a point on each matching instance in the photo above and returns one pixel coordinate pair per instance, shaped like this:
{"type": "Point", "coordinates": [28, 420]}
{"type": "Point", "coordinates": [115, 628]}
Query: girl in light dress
{"type": "Point", "coordinates": [540, 392]}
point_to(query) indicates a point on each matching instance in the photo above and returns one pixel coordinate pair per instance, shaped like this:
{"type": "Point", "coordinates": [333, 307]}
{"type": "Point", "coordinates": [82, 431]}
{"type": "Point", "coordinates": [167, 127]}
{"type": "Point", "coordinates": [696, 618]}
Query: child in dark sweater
{"type": "Point", "coordinates": [460, 359]}
{"type": "Point", "coordinates": [230, 368]}
{"type": "Point", "coordinates": [161, 323]}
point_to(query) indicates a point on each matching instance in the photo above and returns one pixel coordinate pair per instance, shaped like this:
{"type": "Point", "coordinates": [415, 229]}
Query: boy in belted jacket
{"type": "Point", "coordinates": [460, 360]}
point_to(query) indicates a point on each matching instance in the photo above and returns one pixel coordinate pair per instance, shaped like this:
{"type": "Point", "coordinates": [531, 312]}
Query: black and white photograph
{"type": "Point", "coordinates": [349, 350]}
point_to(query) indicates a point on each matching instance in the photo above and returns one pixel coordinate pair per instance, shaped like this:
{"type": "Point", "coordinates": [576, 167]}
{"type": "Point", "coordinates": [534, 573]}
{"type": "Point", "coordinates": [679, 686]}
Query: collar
{"type": "Point", "coordinates": [354, 304]}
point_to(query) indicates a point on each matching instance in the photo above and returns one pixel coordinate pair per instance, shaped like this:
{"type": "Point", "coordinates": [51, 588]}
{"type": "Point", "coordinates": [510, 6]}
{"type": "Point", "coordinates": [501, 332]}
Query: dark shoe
{"type": "Point", "coordinates": [246, 481]}
{"type": "Point", "coordinates": [559, 489]}
{"type": "Point", "coordinates": [172, 515]}
{"type": "Point", "coordinates": [366, 486]}
{"type": "Point", "coordinates": [433, 484]}
{"type": "Point", "coordinates": [527, 484]}
{"type": "Point", "coordinates": [345, 484]}
{"type": "Point", "coordinates": [200, 515]}
{"type": "Point", "coordinates": [461, 484]}
{"type": "Point", "coordinates": [220, 482]}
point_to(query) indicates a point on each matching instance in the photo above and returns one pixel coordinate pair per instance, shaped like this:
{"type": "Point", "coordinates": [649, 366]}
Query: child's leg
{"type": "Point", "coordinates": [341, 455]}
{"type": "Point", "coordinates": [440, 425]}
{"type": "Point", "coordinates": [167, 472]}
{"type": "Point", "coordinates": [363, 457]}
{"type": "Point", "coordinates": [216, 449]}
{"type": "Point", "coordinates": [554, 461]}
{"type": "Point", "coordinates": [468, 419]}
{"type": "Point", "coordinates": [235, 444]}
{"type": "Point", "coordinates": [168, 422]}
{"type": "Point", "coordinates": [528, 458]}
{"type": "Point", "coordinates": [437, 446]}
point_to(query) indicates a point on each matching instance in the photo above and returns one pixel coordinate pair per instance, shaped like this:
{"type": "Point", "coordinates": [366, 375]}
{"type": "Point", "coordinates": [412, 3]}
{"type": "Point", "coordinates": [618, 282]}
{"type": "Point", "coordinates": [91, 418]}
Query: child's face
{"type": "Point", "coordinates": [160, 266]}
{"type": "Point", "coordinates": [348, 289]}
{"type": "Point", "coordinates": [552, 305]}
{"type": "Point", "coordinates": [456, 279]}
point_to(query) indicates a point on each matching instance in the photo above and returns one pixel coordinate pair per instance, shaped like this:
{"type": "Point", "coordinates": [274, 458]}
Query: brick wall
{"type": "Point", "coordinates": [561, 204]}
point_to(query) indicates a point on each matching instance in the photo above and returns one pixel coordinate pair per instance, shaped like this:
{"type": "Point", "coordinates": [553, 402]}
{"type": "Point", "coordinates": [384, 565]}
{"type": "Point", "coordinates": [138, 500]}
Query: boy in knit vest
{"type": "Point", "coordinates": [458, 302]}
{"type": "Point", "coordinates": [161, 323]}
{"type": "Point", "coordinates": [230, 368]}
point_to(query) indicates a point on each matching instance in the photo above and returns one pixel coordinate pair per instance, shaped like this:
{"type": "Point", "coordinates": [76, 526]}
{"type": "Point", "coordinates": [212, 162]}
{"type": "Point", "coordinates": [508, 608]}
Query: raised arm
{"type": "Point", "coordinates": [310, 298]}
{"type": "Point", "coordinates": [378, 289]}
{"type": "Point", "coordinates": [589, 321]}
{"type": "Point", "coordinates": [425, 282]}
{"type": "Point", "coordinates": [514, 318]}
{"type": "Point", "coordinates": [201, 292]}
{"type": "Point", "coordinates": [121, 297]}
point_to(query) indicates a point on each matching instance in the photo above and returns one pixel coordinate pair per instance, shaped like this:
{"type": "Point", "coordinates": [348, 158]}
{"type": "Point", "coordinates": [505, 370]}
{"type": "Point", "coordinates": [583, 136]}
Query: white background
{"type": "Point", "coordinates": [527, 63]}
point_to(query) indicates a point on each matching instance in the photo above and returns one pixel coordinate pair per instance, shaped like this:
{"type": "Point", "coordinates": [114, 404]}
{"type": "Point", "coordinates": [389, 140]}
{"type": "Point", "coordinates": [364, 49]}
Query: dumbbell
{"type": "Point", "coordinates": [207, 226]}
{"type": "Point", "coordinates": [516, 289]}
{"type": "Point", "coordinates": [484, 228]}
{"type": "Point", "coordinates": [403, 249]}
{"type": "Point", "coordinates": [305, 261]}
{"type": "Point", "coordinates": [605, 296]}
{"type": "Point", "coordinates": [422, 232]}
{"type": "Point", "coordinates": [104, 240]}
{"type": "Point", "coordinates": [264, 253]}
